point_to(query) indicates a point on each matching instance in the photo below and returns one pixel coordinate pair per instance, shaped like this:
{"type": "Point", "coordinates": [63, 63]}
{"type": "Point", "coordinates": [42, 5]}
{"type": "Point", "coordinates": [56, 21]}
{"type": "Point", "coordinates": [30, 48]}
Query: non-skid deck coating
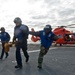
{"type": "Point", "coordinates": [58, 61]}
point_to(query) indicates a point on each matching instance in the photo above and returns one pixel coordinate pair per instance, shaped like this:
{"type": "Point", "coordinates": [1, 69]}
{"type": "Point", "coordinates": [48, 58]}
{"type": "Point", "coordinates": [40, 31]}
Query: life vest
{"type": "Point", "coordinates": [34, 38]}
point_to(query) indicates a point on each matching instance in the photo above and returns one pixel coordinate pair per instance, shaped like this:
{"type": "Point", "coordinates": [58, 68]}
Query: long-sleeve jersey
{"type": "Point", "coordinates": [21, 33]}
{"type": "Point", "coordinates": [46, 39]}
{"type": "Point", "coordinates": [4, 36]}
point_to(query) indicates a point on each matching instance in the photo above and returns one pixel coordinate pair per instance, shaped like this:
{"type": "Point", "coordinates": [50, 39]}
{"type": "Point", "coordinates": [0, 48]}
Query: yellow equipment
{"type": "Point", "coordinates": [7, 46]}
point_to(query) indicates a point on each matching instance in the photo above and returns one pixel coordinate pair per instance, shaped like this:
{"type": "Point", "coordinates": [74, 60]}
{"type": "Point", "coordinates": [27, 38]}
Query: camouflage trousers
{"type": "Point", "coordinates": [43, 51]}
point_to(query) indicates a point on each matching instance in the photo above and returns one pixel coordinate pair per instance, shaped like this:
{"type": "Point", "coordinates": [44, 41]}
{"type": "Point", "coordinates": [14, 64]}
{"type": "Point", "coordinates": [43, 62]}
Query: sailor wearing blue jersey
{"type": "Point", "coordinates": [5, 38]}
{"type": "Point", "coordinates": [46, 37]}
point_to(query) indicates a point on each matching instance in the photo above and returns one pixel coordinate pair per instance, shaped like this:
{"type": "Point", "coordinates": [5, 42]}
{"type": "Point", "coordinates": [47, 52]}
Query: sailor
{"type": "Point", "coordinates": [46, 37]}
{"type": "Point", "coordinates": [20, 36]}
{"type": "Point", "coordinates": [5, 38]}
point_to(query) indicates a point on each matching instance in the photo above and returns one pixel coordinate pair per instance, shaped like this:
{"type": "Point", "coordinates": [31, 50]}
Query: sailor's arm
{"type": "Point", "coordinates": [34, 33]}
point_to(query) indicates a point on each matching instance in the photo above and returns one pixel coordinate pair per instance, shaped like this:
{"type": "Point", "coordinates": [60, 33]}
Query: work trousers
{"type": "Point", "coordinates": [3, 51]}
{"type": "Point", "coordinates": [20, 46]}
{"type": "Point", "coordinates": [43, 51]}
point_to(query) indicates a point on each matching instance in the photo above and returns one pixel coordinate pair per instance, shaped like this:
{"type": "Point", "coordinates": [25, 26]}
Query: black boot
{"type": "Point", "coordinates": [6, 55]}
{"type": "Point", "coordinates": [40, 67]}
{"type": "Point", "coordinates": [27, 59]}
{"type": "Point", "coordinates": [0, 58]}
{"type": "Point", "coordinates": [17, 66]}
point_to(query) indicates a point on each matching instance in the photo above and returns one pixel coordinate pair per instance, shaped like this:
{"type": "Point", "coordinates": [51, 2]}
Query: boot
{"type": "Point", "coordinates": [39, 65]}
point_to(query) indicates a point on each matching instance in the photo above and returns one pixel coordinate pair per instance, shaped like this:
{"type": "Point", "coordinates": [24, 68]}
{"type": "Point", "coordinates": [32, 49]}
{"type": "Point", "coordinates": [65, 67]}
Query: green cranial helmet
{"type": "Point", "coordinates": [17, 20]}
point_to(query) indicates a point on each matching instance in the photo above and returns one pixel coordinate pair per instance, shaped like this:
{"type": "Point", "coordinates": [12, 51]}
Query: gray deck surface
{"type": "Point", "coordinates": [58, 61]}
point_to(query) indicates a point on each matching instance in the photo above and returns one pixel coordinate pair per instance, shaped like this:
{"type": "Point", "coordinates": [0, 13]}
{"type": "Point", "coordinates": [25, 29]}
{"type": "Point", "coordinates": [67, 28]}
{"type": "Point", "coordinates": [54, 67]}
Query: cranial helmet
{"type": "Point", "coordinates": [48, 27]}
{"type": "Point", "coordinates": [17, 20]}
{"type": "Point", "coordinates": [2, 28]}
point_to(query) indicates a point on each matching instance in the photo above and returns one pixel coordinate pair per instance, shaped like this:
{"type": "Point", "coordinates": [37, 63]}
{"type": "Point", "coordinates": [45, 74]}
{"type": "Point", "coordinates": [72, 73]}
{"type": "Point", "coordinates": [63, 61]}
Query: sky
{"type": "Point", "coordinates": [37, 13]}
